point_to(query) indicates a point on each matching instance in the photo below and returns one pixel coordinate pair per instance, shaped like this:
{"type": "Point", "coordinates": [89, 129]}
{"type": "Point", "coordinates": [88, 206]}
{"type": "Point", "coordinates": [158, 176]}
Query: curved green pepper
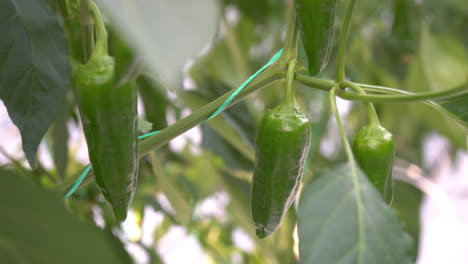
{"type": "Point", "coordinates": [374, 150]}
{"type": "Point", "coordinates": [109, 116]}
{"type": "Point", "coordinates": [282, 144]}
{"type": "Point", "coordinates": [316, 19]}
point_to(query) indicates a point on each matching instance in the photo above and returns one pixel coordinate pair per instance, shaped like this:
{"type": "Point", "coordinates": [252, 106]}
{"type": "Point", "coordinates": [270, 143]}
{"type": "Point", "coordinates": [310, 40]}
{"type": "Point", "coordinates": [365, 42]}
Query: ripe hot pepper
{"type": "Point", "coordinates": [109, 117]}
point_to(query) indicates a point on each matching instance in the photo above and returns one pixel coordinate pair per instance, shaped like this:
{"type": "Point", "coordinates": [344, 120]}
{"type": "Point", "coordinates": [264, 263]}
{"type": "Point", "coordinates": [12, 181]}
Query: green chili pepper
{"type": "Point", "coordinates": [282, 145]}
{"type": "Point", "coordinates": [374, 150]}
{"type": "Point", "coordinates": [109, 116]}
{"type": "Point", "coordinates": [316, 19]}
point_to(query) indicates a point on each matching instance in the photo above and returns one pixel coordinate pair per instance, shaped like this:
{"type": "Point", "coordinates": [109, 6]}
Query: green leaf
{"type": "Point", "coordinates": [177, 196]}
{"type": "Point", "coordinates": [431, 113]}
{"type": "Point", "coordinates": [144, 125]}
{"type": "Point", "coordinates": [36, 228]}
{"type": "Point", "coordinates": [457, 107]}
{"type": "Point", "coordinates": [59, 136]}
{"type": "Point", "coordinates": [34, 69]}
{"type": "Point", "coordinates": [165, 33]}
{"type": "Point", "coordinates": [443, 61]}
{"type": "Point", "coordinates": [220, 125]}
{"type": "Point", "coordinates": [342, 219]}
{"type": "Point", "coordinates": [154, 101]}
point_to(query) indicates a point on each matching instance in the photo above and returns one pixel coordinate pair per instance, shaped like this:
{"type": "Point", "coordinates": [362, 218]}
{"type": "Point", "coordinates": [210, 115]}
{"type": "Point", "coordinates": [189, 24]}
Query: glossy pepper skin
{"type": "Point", "coordinates": [282, 145]}
{"type": "Point", "coordinates": [316, 19]}
{"type": "Point", "coordinates": [108, 114]}
{"type": "Point", "coordinates": [374, 151]}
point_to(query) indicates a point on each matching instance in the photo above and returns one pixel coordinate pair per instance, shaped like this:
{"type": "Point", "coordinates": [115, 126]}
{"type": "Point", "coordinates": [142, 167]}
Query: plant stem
{"type": "Point", "coordinates": [290, 99]}
{"type": "Point", "coordinates": [153, 142]}
{"type": "Point", "coordinates": [87, 29]}
{"type": "Point", "coordinates": [100, 47]}
{"type": "Point", "coordinates": [402, 96]}
{"type": "Point", "coordinates": [313, 82]}
{"type": "Point", "coordinates": [292, 34]}
{"type": "Point", "coordinates": [373, 118]}
{"type": "Point", "coordinates": [344, 139]}
{"type": "Point", "coordinates": [393, 95]}
{"type": "Point", "coordinates": [268, 76]}
{"type": "Point", "coordinates": [340, 71]}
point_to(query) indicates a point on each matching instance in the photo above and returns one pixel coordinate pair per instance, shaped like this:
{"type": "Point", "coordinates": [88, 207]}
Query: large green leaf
{"type": "Point", "coordinates": [443, 60]}
{"type": "Point", "coordinates": [342, 219]}
{"type": "Point", "coordinates": [165, 33]}
{"type": "Point", "coordinates": [34, 69]}
{"type": "Point", "coordinates": [36, 228]}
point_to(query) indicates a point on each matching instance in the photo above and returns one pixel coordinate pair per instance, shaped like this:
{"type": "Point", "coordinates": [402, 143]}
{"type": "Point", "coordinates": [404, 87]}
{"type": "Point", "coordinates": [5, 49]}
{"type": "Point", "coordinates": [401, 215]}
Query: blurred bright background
{"type": "Point", "coordinates": [192, 202]}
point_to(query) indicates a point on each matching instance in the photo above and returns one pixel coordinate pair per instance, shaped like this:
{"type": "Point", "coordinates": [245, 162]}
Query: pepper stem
{"type": "Point", "coordinates": [290, 99]}
{"type": "Point", "coordinates": [341, 130]}
{"type": "Point", "coordinates": [100, 47]}
{"type": "Point", "coordinates": [372, 114]}
{"type": "Point", "coordinates": [292, 34]}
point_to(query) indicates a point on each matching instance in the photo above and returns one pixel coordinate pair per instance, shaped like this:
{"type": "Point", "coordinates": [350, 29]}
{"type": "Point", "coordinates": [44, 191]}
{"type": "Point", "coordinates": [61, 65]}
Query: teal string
{"type": "Point", "coordinates": [221, 108]}
{"type": "Point", "coordinates": [78, 182]}
{"type": "Point", "coordinates": [244, 84]}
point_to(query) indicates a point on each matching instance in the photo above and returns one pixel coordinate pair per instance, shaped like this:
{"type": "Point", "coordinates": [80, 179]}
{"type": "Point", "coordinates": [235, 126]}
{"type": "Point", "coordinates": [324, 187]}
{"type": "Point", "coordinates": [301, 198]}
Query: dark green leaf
{"type": "Point", "coordinates": [59, 136]}
{"type": "Point", "coordinates": [406, 202]}
{"type": "Point", "coordinates": [154, 101]}
{"type": "Point", "coordinates": [34, 69]}
{"type": "Point", "coordinates": [457, 106]}
{"type": "Point", "coordinates": [342, 219]}
{"type": "Point", "coordinates": [36, 228]}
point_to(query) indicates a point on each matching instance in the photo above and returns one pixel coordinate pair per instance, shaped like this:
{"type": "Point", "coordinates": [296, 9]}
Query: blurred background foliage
{"type": "Point", "coordinates": [407, 44]}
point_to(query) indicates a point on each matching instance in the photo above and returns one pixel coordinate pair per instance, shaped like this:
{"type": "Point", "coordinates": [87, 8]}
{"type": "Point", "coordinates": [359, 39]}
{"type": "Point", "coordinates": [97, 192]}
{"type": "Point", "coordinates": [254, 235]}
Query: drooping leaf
{"type": "Point", "coordinates": [342, 219]}
{"type": "Point", "coordinates": [36, 228]}
{"type": "Point", "coordinates": [59, 135]}
{"type": "Point", "coordinates": [165, 41]}
{"type": "Point", "coordinates": [154, 101]}
{"type": "Point", "coordinates": [34, 69]}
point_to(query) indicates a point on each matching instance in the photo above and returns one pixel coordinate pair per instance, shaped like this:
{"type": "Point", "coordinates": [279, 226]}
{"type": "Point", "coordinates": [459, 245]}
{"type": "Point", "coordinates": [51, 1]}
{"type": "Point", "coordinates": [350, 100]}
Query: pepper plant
{"type": "Point", "coordinates": [262, 98]}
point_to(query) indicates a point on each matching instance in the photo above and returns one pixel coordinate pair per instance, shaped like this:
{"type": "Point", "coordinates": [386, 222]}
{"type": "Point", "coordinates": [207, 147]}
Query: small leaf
{"type": "Point", "coordinates": [342, 219]}
{"type": "Point", "coordinates": [36, 228]}
{"type": "Point", "coordinates": [34, 69]}
{"type": "Point", "coordinates": [144, 125]}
